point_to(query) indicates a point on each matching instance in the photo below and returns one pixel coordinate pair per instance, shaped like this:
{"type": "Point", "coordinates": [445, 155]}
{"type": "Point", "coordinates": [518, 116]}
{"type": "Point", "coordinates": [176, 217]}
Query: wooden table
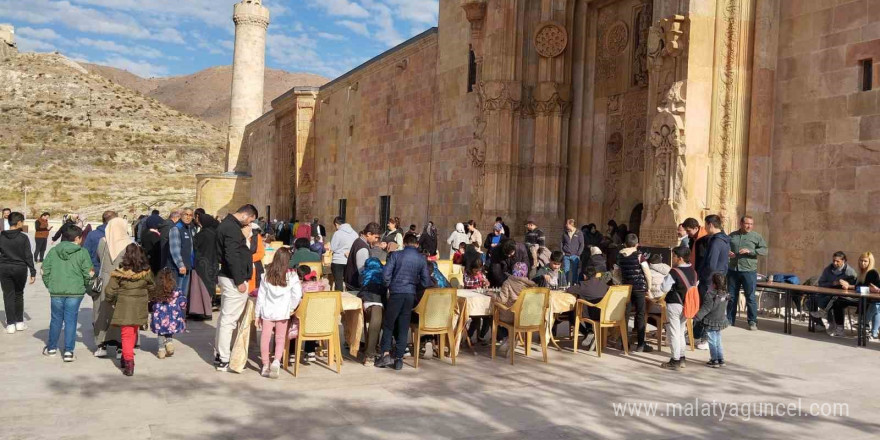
{"type": "Point", "coordinates": [352, 325]}
{"type": "Point", "coordinates": [787, 289]}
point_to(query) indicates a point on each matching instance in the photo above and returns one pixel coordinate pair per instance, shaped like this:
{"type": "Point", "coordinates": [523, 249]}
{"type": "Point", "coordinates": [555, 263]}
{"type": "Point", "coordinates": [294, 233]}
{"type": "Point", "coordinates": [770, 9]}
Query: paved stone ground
{"type": "Point", "coordinates": [571, 397]}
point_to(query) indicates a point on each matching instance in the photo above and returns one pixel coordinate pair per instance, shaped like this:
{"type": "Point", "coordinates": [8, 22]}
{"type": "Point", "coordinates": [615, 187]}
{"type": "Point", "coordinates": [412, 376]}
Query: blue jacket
{"type": "Point", "coordinates": [406, 272]}
{"type": "Point", "coordinates": [91, 245]}
{"type": "Point", "coordinates": [717, 258]}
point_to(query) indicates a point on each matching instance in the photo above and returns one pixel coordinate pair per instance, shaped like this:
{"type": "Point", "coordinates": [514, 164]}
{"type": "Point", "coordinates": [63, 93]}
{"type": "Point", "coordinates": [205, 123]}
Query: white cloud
{"type": "Point", "coordinates": [329, 36]}
{"type": "Point", "coordinates": [112, 46]}
{"type": "Point", "coordinates": [341, 8]}
{"type": "Point", "coordinates": [386, 33]}
{"type": "Point", "coordinates": [143, 69]}
{"type": "Point", "coordinates": [419, 11]}
{"type": "Point", "coordinates": [214, 47]}
{"type": "Point", "coordinates": [300, 53]}
{"type": "Point", "coordinates": [354, 26]}
{"type": "Point", "coordinates": [33, 45]}
{"type": "Point", "coordinates": [41, 34]}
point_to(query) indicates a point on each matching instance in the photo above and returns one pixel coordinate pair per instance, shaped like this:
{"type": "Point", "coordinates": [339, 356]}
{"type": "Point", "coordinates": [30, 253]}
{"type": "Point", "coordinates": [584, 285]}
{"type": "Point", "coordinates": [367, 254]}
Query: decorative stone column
{"type": "Point", "coordinates": [248, 66]}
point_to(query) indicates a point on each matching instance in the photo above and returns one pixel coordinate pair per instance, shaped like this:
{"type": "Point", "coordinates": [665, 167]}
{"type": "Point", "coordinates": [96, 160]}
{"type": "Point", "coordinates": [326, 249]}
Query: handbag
{"type": "Point", "coordinates": [96, 286]}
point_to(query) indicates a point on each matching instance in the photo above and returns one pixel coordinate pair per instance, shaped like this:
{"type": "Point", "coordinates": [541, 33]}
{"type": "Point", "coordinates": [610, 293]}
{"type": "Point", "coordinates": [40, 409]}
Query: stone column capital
{"type": "Point", "coordinates": [250, 13]}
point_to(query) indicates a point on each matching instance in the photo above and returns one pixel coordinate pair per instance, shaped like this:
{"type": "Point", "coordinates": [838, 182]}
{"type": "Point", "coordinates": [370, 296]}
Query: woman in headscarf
{"type": "Point", "coordinates": [428, 241]}
{"type": "Point", "coordinates": [110, 252]}
{"type": "Point", "coordinates": [203, 286]}
{"type": "Point", "coordinates": [513, 285]}
{"type": "Point", "coordinates": [455, 239]}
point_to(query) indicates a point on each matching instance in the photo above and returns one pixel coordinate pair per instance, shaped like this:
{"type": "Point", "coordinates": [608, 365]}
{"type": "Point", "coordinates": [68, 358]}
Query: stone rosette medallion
{"type": "Point", "coordinates": [551, 39]}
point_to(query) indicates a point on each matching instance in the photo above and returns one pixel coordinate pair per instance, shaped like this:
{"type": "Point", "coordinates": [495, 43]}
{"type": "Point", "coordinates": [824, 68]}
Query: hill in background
{"type": "Point", "coordinates": [83, 143]}
{"type": "Point", "coordinates": [205, 94]}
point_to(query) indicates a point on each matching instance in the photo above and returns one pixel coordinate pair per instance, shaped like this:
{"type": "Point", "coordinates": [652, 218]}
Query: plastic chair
{"type": "Point", "coordinates": [436, 313]}
{"type": "Point", "coordinates": [319, 314]}
{"type": "Point", "coordinates": [529, 316]}
{"type": "Point", "coordinates": [445, 267]}
{"type": "Point", "coordinates": [612, 313]}
{"type": "Point", "coordinates": [659, 318]}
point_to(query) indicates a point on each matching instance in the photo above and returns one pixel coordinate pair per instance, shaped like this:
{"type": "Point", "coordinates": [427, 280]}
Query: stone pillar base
{"type": "Point", "coordinates": [220, 194]}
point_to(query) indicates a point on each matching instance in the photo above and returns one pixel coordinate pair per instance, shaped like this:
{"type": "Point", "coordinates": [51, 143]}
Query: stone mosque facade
{"type": "Point", "coordinates": [644, 112]}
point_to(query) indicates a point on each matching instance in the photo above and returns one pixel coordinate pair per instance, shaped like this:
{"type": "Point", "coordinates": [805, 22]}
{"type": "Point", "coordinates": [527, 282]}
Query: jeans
{"type": "Point", "coordinates": [12, 280]}
{"type": "Point", "coordinates": [396, 320]}
{"type": "Point", "coordinates": [715, 351]}
{"type": "Point", "coordinates": [746, 280]}
{"type": "Point", "coordinates": [872, 316]}
{"type": "Point", "coordinates": [571, 265]}
{"type": "Point", "coordinates": [39, 248]}
{"type": "Point", "coordinates": [338, 271]}
{"type": "Point", "coordinates": [637, 299]}
{"type": "Point", "coordinates": [675, 325]}
{"type": "Point", "coordinates": [231, 307]}
{"type": "Point", "coordinates": [65, 310]}
{"type": "Point", "coordinates": [703, 288]}
{"type": "Point", "coordinates": [183, 283]}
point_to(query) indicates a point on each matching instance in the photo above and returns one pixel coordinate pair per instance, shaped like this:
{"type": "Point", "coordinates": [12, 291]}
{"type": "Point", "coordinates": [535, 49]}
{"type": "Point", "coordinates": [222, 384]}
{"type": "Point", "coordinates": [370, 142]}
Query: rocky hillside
{"type": "Point", "coordinates": [204, 94]}
{"type": "Point", "coordinates": [83, 143]}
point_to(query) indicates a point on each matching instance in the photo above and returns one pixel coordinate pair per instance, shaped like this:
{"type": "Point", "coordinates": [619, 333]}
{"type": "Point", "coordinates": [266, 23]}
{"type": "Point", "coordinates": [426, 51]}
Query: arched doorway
{"type": "Point", "coordinates": [635, 220]}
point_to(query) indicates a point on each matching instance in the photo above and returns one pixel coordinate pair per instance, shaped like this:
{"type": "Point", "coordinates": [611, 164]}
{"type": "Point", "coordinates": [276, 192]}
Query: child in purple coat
{"type": "Point", "coordinates": [167, 311]}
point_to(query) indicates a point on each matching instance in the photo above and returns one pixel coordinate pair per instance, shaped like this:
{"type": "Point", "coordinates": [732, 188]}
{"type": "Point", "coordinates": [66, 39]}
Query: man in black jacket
{"type": "Point", "coordinates": [716, 259]}
{"type": "Point", "coordinates": [236, 267]}
{"type": "Point", "coordinates": [16, 260]}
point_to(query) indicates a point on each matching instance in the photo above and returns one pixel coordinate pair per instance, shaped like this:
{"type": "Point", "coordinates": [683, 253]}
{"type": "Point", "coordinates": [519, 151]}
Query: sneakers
{"type": "Point", "coordinates": [703, 345]}
{"type": "Point", "coordinates": [216, 359]}
{"type": "Point", "coordinates": [20, 326]}
{"type": "Point", "coordinates": [161, 353]}
{"type": "Point", "coordinates": [68, 356]}
{"type": "Point", "coordinates": [838, 331]}
{"type": "Point", "coordinates": [682, 361]}
{"type": "Point", "coordinates": [644, 348]}
{"type": "Point", "coordinates": [398, 364]}
{"type": "Point", "coordinates": [222, 366]}
{"type": "Point", "coordinates": [384, 361]}
{"type": "Point", "coordinates": [819, 314]}
{"type": "Point", "coordinates": [715, 363]}
{"type": "Point", "coordinates": [100, 352]}
{"type": "Point", "coordinates": [118, 353]}
{"type": "Point", "coordinates": [503, 348]}
{"type": "Point", "coordinates": [369, 361]}
{"type": "Point", "coordinates": [265, 371]}
{"type": "Point", "coordinates": [753, 326]}
{"type": "Point", "coordinates": [10, 329]}
{"type": "Point", "coordinates": [274, 369]}
{"type": "Point", "coordinates": [47, 352]}
{"type": "Point", "coordinates": [671, 364]}
{"type": "Point", "coordinates": [589, 342]}
{"type": "Point", "coordinates": [309, 358]}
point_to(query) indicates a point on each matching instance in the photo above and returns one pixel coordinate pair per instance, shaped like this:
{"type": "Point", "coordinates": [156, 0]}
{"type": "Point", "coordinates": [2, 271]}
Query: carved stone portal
{"type": "Point", "coordinates": [550, 39]}
{"type": "Point", "coordinates": [666, 38]}
{"type": "Point", "coordinates": [668, 145]}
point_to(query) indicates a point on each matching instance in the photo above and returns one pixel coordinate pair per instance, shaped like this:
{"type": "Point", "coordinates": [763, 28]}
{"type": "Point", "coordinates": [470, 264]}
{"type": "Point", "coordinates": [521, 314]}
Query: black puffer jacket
{"type": "Point", "coordinates": [631, 271]}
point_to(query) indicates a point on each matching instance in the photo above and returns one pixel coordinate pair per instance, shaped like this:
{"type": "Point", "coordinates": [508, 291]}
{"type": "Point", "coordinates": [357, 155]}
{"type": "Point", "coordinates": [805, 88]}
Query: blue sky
{"type": "Point", "coordinates": [178, 37]}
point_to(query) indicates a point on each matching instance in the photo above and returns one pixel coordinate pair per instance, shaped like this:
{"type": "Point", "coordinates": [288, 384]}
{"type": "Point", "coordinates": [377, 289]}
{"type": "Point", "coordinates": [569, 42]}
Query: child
{"type": "Point", "coordinates": [659, 270]}
{"type": "Point", "coordinates": [676, 284]}
{"type": "Point", "coordinates": [168, 308]}
{"type": "Point", "coordinates": [66, 274]}
{"type": "Point", "coordinates": [551, 275]}
{"type": "Point", "coordinates": [310, 281]}
{"type": "Point", "coordinates": [279, 295]}
{"type": "Point", "coordinates": [474, 278]}
{"type": "Point", "coordinates": [16, 260]}
{"type": "Point", "coordinates": [713, 315]}
{"type": "Point", "coordinates": [129, 292]}
{"type": "Point", "coordinates": [458, 256]}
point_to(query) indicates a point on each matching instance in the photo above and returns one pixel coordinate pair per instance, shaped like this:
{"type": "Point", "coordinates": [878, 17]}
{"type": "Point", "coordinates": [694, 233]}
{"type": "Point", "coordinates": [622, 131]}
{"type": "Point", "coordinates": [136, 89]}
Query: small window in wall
{"type": "Point", "coordinates": [388, 116]}
{"type": "Point", "coordinates": [867, 73]}
{"type": "Point", "coordinates": [384, 210]}
{"type": "Point", "coordinates": [342, 207]}
{"type": "Point", "coordinates": [472, 71]}
{"type": "Point", "coordinates": [351, 130]}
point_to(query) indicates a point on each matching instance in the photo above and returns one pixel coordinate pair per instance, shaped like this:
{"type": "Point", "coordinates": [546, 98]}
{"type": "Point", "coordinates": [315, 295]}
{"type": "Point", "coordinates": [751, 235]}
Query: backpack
{"type": "Point", "coordinates": [691, 302]}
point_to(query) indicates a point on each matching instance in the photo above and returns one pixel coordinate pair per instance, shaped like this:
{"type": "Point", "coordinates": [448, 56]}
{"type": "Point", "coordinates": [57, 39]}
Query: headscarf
{"type": "Point", "coordinates": [154, 222]}
{"type": "Point", "coordinates": [520, 270]}
{"type": "Point", "coordinates": [595, 250]}
{"type": "Point", "coordinates": [459, 227]}
{"type": "Point", "coordinates": [117, 237]}
{"type": "Point", "coordinates": [430, 229]}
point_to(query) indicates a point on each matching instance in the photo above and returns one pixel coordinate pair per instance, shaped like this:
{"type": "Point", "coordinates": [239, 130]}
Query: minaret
{"type": "Point", "coordinates": [248, 65]}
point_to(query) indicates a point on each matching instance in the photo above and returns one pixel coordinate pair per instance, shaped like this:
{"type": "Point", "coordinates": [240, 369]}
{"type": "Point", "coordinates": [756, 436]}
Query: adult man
{"type": "Point", "coordinates": [676, 284]}
{"type": "Point", "coordinates": [716, 259]}
{"type": "Point", "coordinates": [405, 274]}
{"type": "Point", "coordinates": [358, 254]}
{"type": "Point", "coordinates": [534, 240]}
{"type": "Point", "coordinates": [745, 246]}
{"type": "Point", "coordinates": [319, 232]}
{"type": "Point", "coordinates": [5, 225]}
{"type": "Point", "coordinates": [41, 236]}
{"type": "Point", "coordinates": [837, 275]}
{"type": "Point", "coordinates": [303, 254]}
{"type": "Point", "coordinates": [500, 221]}
{"type": "Point", "coordinates": [635, 272]}
{"type": "Point", "coordinates": [179, 255]}
{"type": "Point", "coordinates": [236, 267]}
{"type": "Point", "coordinates": [143, 222]}
{"type": "Point", "coordinates": [592, 289]}
{"type": "Point", "coordinates": [91, 243]}
{"type": "Point", "coordinates": [683, 239]}
{"type": "Point", "coordinates": [694, 232]}
{"type": "Point", "coordinates": [572, 248]}
{"type": "Point", "coordinates": [340, 245]}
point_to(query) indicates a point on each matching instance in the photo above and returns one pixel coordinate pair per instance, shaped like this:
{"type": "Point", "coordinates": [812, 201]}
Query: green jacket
{"type": "Point", "coordinates": [66, 270]}
{"type": "Point", "coordinates": [129, 292]}
{"type": "Point", "coordinates": [754, 243]}
{"type": "Point", "coordinates": [304, 256]}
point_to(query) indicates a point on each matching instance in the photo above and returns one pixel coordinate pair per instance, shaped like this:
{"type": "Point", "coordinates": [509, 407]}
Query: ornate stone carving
{"type": "Point", "coordinates": [728, 106]}
{"type": "Point", "coordinates": [550, 98]}
{"type": "Point", "coordinates": [615, 39]}
{"type": "Point", "coordinates": [641, 24]}
{"type": "Point", "coordinates": [667, 140]}
{"type": "Point", "coordinates": [614, 104]}
{"type": "Point", "coordinates": [550, 39]}
{"type": "Point", "coordinates": [248, 19]}
{"type": "Point", "coordinates": [500, 95]}
{"type": "Point", "coordinates": [666, 38]}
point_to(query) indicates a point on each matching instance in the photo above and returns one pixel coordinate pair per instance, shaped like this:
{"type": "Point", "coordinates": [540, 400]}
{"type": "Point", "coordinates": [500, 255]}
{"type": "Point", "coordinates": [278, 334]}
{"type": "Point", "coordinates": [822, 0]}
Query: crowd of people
{"type": "Point", "coordinates": [158, 272]}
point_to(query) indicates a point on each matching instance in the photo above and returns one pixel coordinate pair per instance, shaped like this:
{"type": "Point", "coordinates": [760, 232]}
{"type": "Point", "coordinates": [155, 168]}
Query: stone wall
{"type": "Point", "coordinates": [826, 145]}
